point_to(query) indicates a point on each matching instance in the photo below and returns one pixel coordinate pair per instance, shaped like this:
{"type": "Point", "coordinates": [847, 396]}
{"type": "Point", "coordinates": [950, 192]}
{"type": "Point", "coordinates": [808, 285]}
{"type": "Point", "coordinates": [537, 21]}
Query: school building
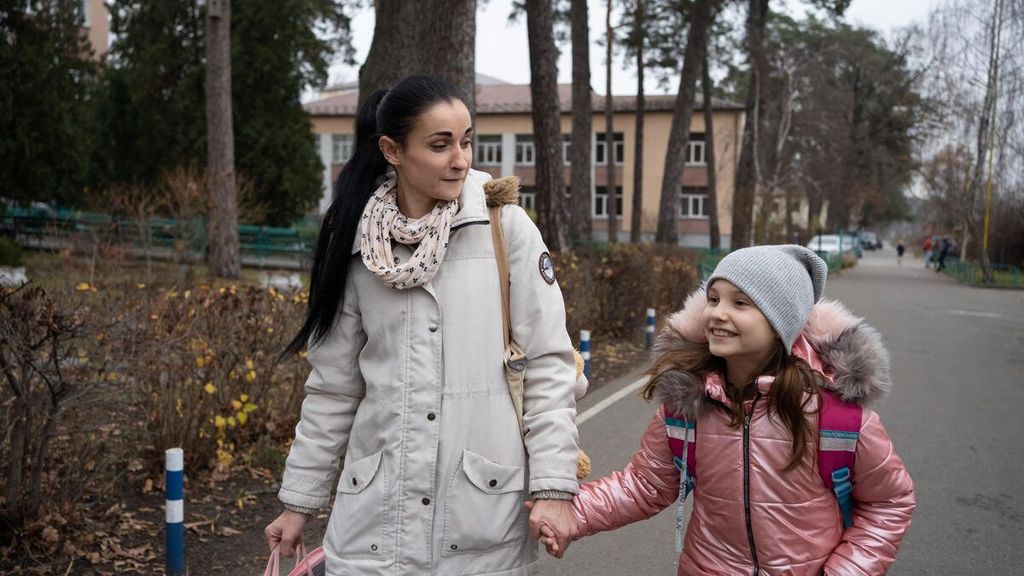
{"type": "Point", "coordinates": [504, 147]}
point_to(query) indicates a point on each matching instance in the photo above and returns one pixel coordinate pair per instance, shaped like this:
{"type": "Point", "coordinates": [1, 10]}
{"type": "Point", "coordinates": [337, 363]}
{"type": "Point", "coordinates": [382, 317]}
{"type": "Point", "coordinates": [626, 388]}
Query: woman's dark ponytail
{"type": "Point", "coordinates": [352, 190]}
{"type": "Point", "coordinates": [390, 113]}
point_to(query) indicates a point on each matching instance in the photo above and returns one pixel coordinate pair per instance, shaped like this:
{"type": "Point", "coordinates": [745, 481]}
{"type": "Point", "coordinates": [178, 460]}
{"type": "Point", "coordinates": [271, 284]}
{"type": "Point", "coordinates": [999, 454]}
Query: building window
{"type": "Point", "coordinates": [488, 150]}
{"type": "Point", "coordinates": [524, 150]}
{"type": "Point", "coordinates": [693, 203]}
{"type": "Point", "coordinates": [601, 201]}
{"type": "Point", "coordinates": [695, 151]}
{"type": "Point", "coordinates": [567, 149]}
{"type": "Point", "coordinates": [83, 13]}
{"type": "Point", "coordinates": [620, 149]}
{"type": "Point", "coordinates": [528, 198]}
{"type": "Point", "coordinates": [341, 148]}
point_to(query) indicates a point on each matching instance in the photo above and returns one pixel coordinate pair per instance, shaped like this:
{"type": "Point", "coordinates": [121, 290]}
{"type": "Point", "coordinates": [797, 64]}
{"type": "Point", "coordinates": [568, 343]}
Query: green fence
{"type": "Point", "coordinates": [259, 244]}
{"type": "Point", "coordinates": [972, 274]}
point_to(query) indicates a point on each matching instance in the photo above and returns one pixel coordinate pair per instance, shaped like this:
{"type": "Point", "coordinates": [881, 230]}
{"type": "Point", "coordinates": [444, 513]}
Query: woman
{"type": "Point", "coordinates": [405, 341]}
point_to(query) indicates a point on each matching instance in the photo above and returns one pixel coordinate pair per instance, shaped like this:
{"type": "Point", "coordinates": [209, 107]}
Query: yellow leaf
{"type": "Point", "coordinates": [249, 364]}
{"type": "Point", "coordinates": [231, 421]}
{"type": "Point", "coordinates": [244, 397]}
{"type": "Point", "coordinates": [210, 388]}
{"type": "Point", "coordinates": [83, 286]}
{"type": "Point", "coordinates": [249, 407]}
{"type": "Point", "coordinates": [250, 376]}
{"type": "Point", "coordinates": [241, 417]}
{"type": "Point", "coordinates": [219, 421]}
{"type": "Point", "coordinates": [236, 404]}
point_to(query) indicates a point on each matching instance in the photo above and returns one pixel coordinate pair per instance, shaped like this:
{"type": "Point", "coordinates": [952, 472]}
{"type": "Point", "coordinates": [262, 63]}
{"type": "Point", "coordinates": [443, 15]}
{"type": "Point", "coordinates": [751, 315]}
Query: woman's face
{"type": "Point", "coordinates": [434, 159]}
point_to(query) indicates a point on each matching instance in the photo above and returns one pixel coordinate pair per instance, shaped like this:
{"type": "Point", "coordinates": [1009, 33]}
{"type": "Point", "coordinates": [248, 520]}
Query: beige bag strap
{"type": "Point", "coordinates": [498, 236]}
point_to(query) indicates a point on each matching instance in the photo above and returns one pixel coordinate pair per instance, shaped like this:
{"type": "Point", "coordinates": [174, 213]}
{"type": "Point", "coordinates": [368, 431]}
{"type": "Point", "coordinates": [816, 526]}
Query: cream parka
{"type": "Point", "coordinates": [409, 390]}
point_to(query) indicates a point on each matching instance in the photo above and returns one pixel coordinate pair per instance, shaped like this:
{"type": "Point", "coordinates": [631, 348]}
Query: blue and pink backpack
{"type": "Point", "coordinates": [839, 428]}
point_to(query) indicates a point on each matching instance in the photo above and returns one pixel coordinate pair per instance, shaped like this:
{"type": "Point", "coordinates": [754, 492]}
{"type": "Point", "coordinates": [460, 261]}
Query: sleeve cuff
{"type": "Point", "coordinates": [552, 495]}
{"type": "Point", "coordinates": [300, 509]}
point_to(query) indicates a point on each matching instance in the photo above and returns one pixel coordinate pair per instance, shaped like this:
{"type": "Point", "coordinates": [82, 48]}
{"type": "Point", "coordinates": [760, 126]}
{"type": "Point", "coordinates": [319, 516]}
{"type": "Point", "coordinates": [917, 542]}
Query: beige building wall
{"type": "Point", "coordinates": [728, 125]}
{"type": "Point", "coordinates": [97, 25]}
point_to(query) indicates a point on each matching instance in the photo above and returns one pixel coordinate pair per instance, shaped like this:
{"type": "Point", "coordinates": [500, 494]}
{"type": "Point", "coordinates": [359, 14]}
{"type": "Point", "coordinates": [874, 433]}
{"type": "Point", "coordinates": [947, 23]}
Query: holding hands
{"type": "Point", "coordinates": [553, 522]}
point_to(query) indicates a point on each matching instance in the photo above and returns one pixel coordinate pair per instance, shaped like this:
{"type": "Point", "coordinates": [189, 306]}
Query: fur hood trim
{"type": "Point", "coordinates": [502, 191]}
{"type": "Point", "coordinates": [853, 357]}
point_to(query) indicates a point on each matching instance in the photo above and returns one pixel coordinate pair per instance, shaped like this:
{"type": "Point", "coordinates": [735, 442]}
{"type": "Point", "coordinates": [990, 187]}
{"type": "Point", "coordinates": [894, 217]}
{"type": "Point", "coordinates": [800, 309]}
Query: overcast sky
{"type": "Point", "coordinates": [501, 48]}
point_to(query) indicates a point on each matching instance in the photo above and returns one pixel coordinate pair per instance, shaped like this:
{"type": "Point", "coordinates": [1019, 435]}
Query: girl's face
{"type": "Point", "coordinates": [434, 159]}
{"type": "Point", "coordinates": [736, 329]}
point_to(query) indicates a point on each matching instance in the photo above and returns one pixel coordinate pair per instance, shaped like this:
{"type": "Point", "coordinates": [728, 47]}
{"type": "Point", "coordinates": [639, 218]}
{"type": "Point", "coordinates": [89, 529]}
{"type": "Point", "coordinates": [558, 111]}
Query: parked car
{"type": "Point", "coordinates": [828, 247]}
{"type": "Point", "coordinates": [870, 241]}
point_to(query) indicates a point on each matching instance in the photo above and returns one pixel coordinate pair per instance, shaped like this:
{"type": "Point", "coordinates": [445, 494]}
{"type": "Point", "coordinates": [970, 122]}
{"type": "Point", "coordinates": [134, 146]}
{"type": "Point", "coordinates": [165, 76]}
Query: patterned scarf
{"type": "Point", "coordinates": [382, 221]}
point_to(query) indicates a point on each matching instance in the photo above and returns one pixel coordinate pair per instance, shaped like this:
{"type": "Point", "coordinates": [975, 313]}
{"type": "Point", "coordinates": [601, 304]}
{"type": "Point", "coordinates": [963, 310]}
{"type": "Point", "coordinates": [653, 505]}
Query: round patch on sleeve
{"type": "Point", "coordinates": [547, 268]}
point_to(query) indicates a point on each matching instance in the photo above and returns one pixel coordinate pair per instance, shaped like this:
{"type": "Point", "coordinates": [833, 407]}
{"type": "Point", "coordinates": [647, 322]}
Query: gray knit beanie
{"type": "Point", "coordinates": [783, 281]}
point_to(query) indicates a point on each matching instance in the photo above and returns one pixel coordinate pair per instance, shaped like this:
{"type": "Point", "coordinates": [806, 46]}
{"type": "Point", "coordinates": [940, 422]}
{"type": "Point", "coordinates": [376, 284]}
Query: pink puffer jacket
{"type": "Point", "coordinates": [788, 523]}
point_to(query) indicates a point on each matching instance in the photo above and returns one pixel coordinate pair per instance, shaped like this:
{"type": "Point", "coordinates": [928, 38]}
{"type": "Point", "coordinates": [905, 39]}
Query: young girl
{"type": "Point", "coordinates": [408, 385]}
{"type": "Point", "coordinates": [748, 359]}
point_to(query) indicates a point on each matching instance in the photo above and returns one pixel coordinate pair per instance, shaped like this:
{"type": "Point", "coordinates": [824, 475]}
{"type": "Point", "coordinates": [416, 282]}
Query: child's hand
{"type": "Point", "coordinates": [550, 542]}
{"type": "Point", "coordinates": [554, 541]}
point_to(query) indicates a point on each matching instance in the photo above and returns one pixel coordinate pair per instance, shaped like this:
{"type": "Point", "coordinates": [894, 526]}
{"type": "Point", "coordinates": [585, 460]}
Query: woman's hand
{"type": "Point", "coordinates": [286, 531]}
{"type": "Point", "coordinates": [554, 523]}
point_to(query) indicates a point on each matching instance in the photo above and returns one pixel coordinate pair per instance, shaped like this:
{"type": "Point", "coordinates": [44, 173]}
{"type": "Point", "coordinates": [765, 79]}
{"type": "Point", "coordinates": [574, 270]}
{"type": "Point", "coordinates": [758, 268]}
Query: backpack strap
{"type": "Point", "coordinates": [682, 435]}
{"type": "Point", "coordinates": [839, 428]}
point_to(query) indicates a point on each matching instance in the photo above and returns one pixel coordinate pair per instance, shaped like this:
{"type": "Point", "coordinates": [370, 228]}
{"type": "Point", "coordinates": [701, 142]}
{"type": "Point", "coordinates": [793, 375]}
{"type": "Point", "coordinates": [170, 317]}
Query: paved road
{"type": "Point", "coordinates": [954, 416]}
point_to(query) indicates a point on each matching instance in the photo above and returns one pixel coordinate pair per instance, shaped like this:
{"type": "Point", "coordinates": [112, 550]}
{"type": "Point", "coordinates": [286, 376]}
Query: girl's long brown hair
{"type": "Point", "coordinates": [795, 385]}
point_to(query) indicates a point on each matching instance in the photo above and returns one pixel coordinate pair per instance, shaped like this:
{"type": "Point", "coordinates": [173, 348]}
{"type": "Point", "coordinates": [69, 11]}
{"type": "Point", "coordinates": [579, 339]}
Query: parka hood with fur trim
{"type": "Point", "coordinates": [851, 354]}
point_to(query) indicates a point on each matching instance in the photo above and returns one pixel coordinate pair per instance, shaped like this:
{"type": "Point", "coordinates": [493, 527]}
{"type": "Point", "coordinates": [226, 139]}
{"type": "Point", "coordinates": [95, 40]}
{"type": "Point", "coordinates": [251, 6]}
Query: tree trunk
{"type": "Point", "coordinates": [609, 132]}
{"type": "Point", "coordinates": [714, 235]}
{"type": "Point", "coordinates": [747, 171]}
{"type": "Point", "coordinates": [679, 136]}
{"type": "Point", "coordinates": [435, 37]}
{"type": "Point", "coordinates": [447, 44]}
{"type": "Point", "coordinates": [547, 132]}
{"type": "Point", "coordinates": [985, 145]}
{"type": "Point", "coordinates": [581, 222]}
{"type": "Point", "coordinates": [635, 229]}
{"type": "Point", "coordinates": [224, 258]}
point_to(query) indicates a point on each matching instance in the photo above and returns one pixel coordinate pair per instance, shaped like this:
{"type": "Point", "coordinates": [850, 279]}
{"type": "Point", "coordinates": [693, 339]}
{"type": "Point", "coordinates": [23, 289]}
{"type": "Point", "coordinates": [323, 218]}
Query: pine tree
{"type": "Point", "coordinates": [45, 110]}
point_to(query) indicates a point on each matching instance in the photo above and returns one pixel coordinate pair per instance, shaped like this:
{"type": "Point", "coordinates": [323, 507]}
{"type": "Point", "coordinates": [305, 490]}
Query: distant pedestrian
{"type": "Point", "coordinates": [900, 249]}
{"type": "Point", "coordinates": [741, 374]}
{"type": "Point", "coordinates": [946, 247]}
{"type": "Point", "coordinates": [927, 249]}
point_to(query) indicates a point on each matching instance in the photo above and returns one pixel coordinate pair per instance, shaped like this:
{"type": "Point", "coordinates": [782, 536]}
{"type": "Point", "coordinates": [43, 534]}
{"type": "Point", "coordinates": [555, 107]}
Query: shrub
{"type": "Point", "coordinates": [205, 369]}
{"type": "Point", "coordinates": [53, 361]}
{"type": "Point", "coordinates": [608, 289]}
{"type": "Point", "coordinates": [10, 252]}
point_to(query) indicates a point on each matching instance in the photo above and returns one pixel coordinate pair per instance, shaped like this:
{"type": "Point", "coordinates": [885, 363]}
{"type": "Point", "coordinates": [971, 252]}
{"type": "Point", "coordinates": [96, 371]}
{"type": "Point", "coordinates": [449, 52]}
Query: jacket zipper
{"type": "Point", "coordinates": [746, 479]}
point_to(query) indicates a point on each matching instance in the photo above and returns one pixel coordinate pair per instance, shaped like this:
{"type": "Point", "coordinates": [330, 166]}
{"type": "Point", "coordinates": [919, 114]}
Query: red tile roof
{"type": "Point", "coordinates": [515, 99]}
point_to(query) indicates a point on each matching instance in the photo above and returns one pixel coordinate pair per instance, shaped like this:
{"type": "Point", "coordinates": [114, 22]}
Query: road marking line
{"type": "Point", "coordinates": [603, 404]}
{"type": "Point", "coordinates": [978, 314]}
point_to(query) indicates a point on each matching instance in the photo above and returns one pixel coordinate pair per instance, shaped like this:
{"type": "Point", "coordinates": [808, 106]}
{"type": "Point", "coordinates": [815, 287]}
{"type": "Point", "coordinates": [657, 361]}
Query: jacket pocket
{"type": "Point", "coordinates": [358, 525]}
{"type": "Point", "coordinates": [484, 508]}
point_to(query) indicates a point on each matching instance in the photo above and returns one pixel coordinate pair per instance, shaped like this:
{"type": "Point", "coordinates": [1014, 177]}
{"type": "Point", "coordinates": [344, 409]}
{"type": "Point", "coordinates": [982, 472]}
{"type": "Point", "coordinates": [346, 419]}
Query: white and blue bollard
{"type": "Point", "coordinates": [650, 327]}
{"type": "Point", "coordinates": [175, 519]}
{"type": "Point", "coordinates": [585, 351]}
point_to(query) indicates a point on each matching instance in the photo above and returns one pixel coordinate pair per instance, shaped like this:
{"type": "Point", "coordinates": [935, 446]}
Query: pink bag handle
{"type": "Point", "coordinates": [274, 563]}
